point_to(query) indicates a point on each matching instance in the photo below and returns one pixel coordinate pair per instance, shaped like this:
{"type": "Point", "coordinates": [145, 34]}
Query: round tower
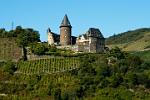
{"type": "Point", "coordinates": [65, 32]}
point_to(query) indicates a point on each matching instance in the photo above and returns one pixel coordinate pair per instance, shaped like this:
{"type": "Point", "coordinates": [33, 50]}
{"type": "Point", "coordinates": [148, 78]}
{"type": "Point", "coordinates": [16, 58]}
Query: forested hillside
{"type": "Point", "coordinates": [135, 40]}
{"type": "Point", "coordinates": [116, 75]}
{"type": "Point", "coordinates": [59, 74]}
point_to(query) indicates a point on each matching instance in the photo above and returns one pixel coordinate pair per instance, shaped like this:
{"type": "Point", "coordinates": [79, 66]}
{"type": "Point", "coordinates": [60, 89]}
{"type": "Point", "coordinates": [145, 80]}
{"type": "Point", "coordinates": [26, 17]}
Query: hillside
{"type": "Point", "coordinates": [144, 55]}
{"type": "Point", "coordinates": [9, 49]}
{"type": "Point", "coordinates": [135, 40]}
{"type": "Point", "coordinates": [87, 77]}
{"type": "Point", "coordinates": [114, 75]}
{"type": "Point", "coordinates": [38, 78]}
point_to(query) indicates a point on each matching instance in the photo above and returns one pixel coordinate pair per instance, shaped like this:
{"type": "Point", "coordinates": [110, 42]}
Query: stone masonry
{"type": "Point", "coordinates": [92, 41]}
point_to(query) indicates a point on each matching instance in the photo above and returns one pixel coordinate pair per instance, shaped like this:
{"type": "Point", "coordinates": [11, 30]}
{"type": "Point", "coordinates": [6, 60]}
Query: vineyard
{"type": "Point", "coordinates": [47, 66]}
{"type": "Point", "coordinates": [67, 78]}
{"type": "Point", "coordinates": [37, 76]}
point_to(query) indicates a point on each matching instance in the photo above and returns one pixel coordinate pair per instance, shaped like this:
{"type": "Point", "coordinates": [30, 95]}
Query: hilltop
{"type": "Point", "coordinates": [14, 42]}
{"type": "Point", "coordinates": [60, 74]}
{"type": "Point", "coordinates": [135, 40]}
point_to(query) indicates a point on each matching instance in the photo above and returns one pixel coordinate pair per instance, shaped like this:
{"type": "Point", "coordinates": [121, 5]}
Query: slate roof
{"type": "Point", "coordinates": [94, 32]}
{"type": "Point", "coordinates": [65, 22]}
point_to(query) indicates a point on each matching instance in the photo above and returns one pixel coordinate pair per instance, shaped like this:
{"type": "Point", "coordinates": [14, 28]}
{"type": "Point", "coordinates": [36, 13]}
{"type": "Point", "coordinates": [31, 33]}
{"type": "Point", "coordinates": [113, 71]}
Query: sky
{"type": "Point", "coordinates": [110, 16]}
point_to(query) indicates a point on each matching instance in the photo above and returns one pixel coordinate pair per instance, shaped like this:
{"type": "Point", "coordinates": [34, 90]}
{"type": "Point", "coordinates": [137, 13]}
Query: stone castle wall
{"type": "Point", "coordinates": [92, 41]}
{"type": "Point", "coordinates": [100, 45]}
{"type": "Point", "coordinates": [50, 38]}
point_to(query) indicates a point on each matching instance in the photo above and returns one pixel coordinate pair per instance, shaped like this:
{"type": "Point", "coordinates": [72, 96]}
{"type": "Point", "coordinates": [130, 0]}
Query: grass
{"type": "Point", "coordinates": [144, 55]}
{"type": "Point", "coordinates": [137, 45]}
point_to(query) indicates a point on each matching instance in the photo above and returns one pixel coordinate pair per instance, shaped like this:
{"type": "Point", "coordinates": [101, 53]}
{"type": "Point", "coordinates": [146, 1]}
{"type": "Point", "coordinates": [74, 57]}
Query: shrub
{"type": "Point", "coordinates": [38, 48]}
{"type": "Point", "coordinates": [10, 67]}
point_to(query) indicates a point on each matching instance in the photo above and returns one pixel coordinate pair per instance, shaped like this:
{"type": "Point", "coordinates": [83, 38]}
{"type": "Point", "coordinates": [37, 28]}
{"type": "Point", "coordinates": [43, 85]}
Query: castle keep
{"type": "Point", "coordinates": [65, 32]}
{"type": "Point", "coordinates": [92, 41]}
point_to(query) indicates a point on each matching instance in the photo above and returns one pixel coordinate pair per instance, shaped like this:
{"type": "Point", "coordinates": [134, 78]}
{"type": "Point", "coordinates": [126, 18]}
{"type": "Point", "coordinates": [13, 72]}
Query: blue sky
{"type": "Point", "coordinates": [110, 16]}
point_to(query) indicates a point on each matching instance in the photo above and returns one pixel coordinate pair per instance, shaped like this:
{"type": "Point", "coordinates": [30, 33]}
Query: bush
{"type": "Point", "coordinates": [38, 48]}
{"type": "Point", "coordinates": [134, 61]}
{"type": "Point", "coordinates": [132, 79]}
{"type": "Point", "coordinates": [10, 67]}
{"type": "Point", "coordinates": [57, 94]}
{"type": "Point", "coordinates": [117, 53]}
{"type": "Point", "coordinates": [116, 80]}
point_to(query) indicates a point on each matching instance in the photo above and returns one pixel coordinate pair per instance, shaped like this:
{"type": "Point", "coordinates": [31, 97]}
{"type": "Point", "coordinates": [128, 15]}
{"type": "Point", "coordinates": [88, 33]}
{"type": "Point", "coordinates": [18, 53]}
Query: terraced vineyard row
{"type": "Point", "coordinates": [47, 66]}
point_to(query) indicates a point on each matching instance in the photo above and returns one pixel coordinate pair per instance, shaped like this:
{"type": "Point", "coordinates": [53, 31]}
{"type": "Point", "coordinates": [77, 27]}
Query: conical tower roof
{"type": "Point", "coordinates": [65, 22]}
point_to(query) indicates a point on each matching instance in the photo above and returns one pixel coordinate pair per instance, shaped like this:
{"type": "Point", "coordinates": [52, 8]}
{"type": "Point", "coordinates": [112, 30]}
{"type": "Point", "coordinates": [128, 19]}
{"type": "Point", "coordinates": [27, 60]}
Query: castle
{"type": "Point", "coordinates": [92, 41]}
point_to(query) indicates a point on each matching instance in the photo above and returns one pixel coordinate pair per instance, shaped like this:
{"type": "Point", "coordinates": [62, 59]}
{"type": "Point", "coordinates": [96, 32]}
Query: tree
{"type": "Point", "coordinates": [57, 94]}
{"type": "Point", "coordinates": [116, 80]}
{"type": "Point", "coordinates": [132, 79]}
{"type": "Point", "coordinates": [3, 33]}
{"type": "Point", "coordinates": [134, 62]}
{"type": "Point", "coordinates": [10, 67]}
{"type": "Point", "coordinates": [103, 71]}
{"type": "Point", "coordinates": [17, 31]}
{"type": "Point", "coordinates": [26, 37]}
{"type": "Point", "coordinates": [38, 48]}
{"type": "Point", "coordinates": [117, 53]}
